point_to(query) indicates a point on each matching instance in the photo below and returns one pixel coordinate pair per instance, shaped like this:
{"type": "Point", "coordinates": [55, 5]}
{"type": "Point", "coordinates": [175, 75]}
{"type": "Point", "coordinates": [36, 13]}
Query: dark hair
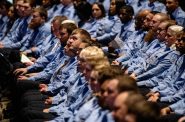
{"type": "Point", "coordinates": [59, 18]}
{"type": "Point", "coordinates": [84, 35]}
{"type": "Point", "coordinates": [126, 83]}
{"type": "Point", "coordinates": [10, 22]}
{"type": "Point", "coordinates": [49, 5]}
{"type": "Point", "coordinates": [31, 2]}
{"type": "Point", "coordinates": [177, 0]}
{"type": "Point", "coordinates": [109, 73]}
{"type": "Point", "coordinates": [96, 43]}
{"type": "Point", "coordinates": [56, 2]}
{"type": "Point", "coordinates": [154, 12]}
{"type": "Point", "coordinates": [183, 36]}
{"type": "Point", "coordinates": [142, 15]}
{"type": "Point", "coordinates": [119, 4]}
{"type": "Point", "coordinates": [132, 99]}
{"type": "Point", "coordinates": [42, 11]}
{"type": "Point", "coordinates": [129, 9]}
{"type": "Point", "coordinates": [144, 111]}
{"type": "Point", "coordinates": [101, 8]}
{"type": "Point", "coordinates": [5, 4]}
{"type": "Point", "coordinates": [70, 27]}
{"type": "Point", "coordinates": [84, 10]}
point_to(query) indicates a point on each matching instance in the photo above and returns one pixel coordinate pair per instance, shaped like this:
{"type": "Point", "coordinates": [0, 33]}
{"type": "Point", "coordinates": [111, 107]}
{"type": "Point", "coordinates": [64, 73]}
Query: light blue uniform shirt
{"type": "Point", "coordinates": [179, 16]}
{"type": "Point", "coordinates": [155, 6]}
{"type": "Point", "coordinates": [85, 110]}
{"type": "Point", "coordinates": [138, 61]}
{"type": "Point", "coordinates": [168, 76]}
{"type": "Point", "coordinates": [134, 4]}
{"type": "Point", "coordinates": [13, 28]}
{"type": "Point", "coordinates": [126, 30]}
{"type": "Point", "coordinates": [92, 26]}
{"type": "Point", "coordinates": [178, 107]}
{"type": "Point", "coordinates": [52, 11]}
{"type": "Point", "coordinates": [157, 64]}
{"type": "Point", "coordinates": [20, 31]}
{"type": "Point", "coordinates": [43, 61]}
{"type": "Point", "coordinates": [15, 24]}
{"type": "Point", "coordinates": [64, 87]}
{"type": "Point", "coordinates": [108, 30]}
{"type": "Point", "coordinates": [63, 72]}
{"type": "Point", "coordinates": [106, 4]}
{"type": "Point", "coordinates": [36, 39]}
{"type": "Point", "coordinates": [133, 44]}
{"type": "Point", "coordinates": [3, 28]}
{"type": "Point", "coordinates": [174, 91]}
{"type": "Point", "coordinates": [100, 115]}
{"type": "Point", "coordinates": [131, 47]}
{"type": "Point", "coordinates": [3, 20]}
{"type": "Point", "coordinates": [77, 96]}
{"type": "Point", "coordinates": [49, 45]}
{"type": "Point", "coordinates": [91, 1]}
{"type": "Point", "coordinates": [47, 73]}
{"type": "Point", "coordinates": [68, 11]}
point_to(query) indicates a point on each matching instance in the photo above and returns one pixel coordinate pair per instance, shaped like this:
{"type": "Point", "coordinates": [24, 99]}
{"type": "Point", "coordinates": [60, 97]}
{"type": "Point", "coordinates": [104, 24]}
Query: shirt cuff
{"type": "Point", "coordinates": [141, 83]}
{"type": "Point", "coordinates": [32, 78]}
{"type": "Point", "coordinates": [30, 68]}
{"type": "Point", "coordinates": [155, 89]}
{"type": "Point", "coordinates": [165, 99]}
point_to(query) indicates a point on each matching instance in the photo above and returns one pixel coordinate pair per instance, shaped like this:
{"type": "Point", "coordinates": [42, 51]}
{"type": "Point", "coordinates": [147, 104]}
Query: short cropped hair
{"type": "Point", "coordinates": [70, 27]}
{"type": "Point", "coordinates": [129, 9]}
{"type": "Point", "coordinates": [84, 35]}
{"type": "Point", "coordinates": [126, 83]}
{"type": "Point", "coordinates": [42, 11]}
{"type": "Point", "coordinates": [109, 73]}
{"type": "Point", "coordinates": [92, 52]}
{"type": "Point", "coordinates": [31, 2]}
{"type": "Point", "coordinates": [59, 18]}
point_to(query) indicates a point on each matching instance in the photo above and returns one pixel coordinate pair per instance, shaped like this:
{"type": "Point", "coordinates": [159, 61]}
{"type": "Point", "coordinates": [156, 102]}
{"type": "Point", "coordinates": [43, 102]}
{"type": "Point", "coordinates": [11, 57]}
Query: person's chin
{"type": "Point", "coordinates": [32, 26]}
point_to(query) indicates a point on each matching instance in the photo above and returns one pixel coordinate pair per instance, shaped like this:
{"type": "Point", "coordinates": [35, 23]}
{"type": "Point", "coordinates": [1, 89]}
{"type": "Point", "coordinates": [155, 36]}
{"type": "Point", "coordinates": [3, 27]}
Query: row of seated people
{"type": "Point", "coordinates": [149, 55]}
{"type": "Point", "coordinates": [102, 27]}
{"type": "Point", "coordinates": [102, 21]}
{"type": "Point", "coordinates": [74, 91]}
{"type": "Point", "coordinates": [77, 92]}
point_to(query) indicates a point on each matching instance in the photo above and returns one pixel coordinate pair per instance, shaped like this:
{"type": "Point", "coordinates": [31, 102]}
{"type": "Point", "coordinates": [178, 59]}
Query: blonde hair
{"type": "Point", "coordinates": [99, 64]}
{"type": "Point", "coordinates": [92, 52]}
{"type": "Point", "coordinates": [95, 57]}
{"type": "Point", "coordinates": [69, 21]}
{"type": "Point", "coordinates": [176, 30]}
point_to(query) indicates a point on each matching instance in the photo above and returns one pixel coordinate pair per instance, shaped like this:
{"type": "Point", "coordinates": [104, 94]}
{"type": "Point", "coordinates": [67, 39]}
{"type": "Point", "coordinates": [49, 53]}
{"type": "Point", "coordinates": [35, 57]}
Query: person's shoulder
{"type": "Point", "coordinates": [180, 13]}
{"type": "Point", "coordinates": [157, 3]}
{"type": "Point", "coordinates": [46, 27]}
